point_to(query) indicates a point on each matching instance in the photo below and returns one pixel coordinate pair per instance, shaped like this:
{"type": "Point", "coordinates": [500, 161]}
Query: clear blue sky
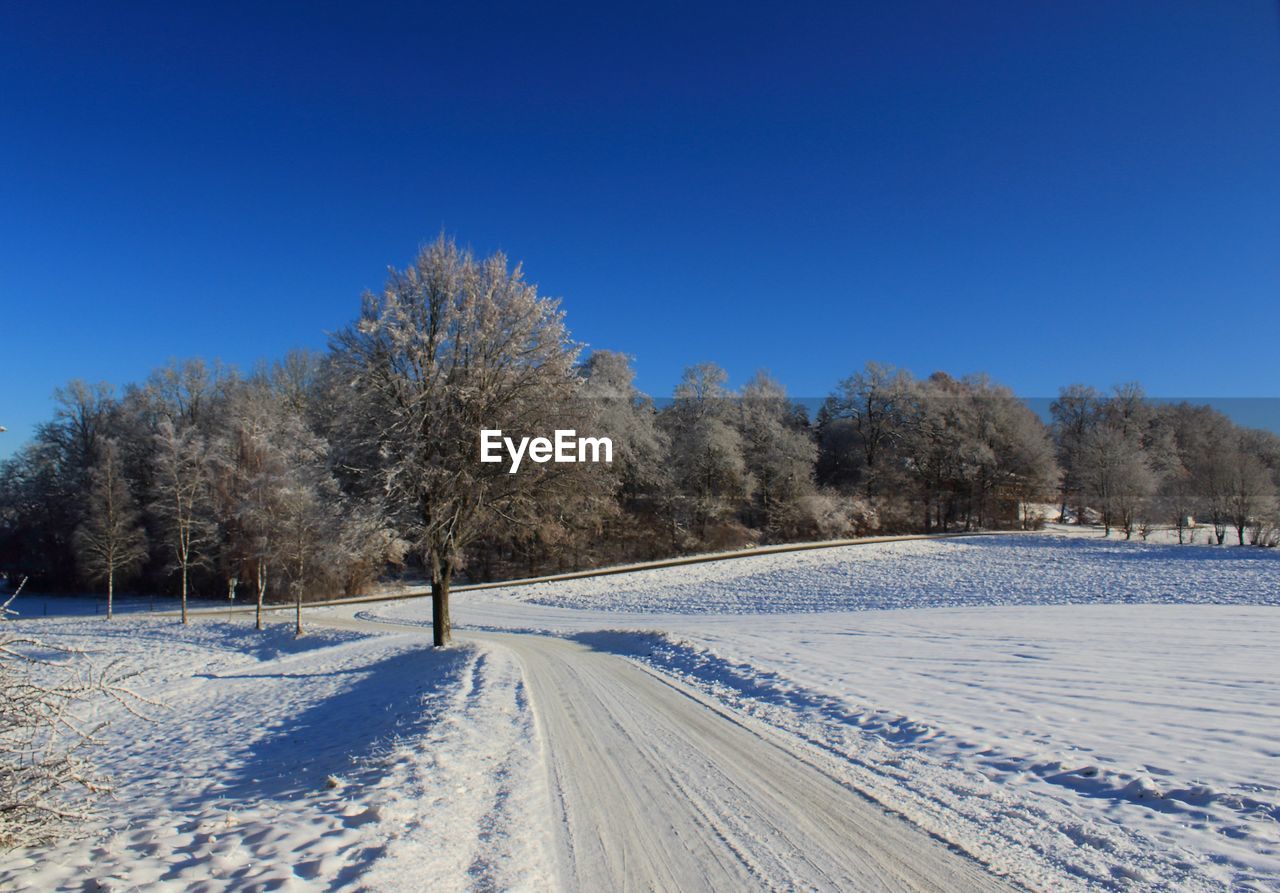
{"type": "Point", "coordinates": [1049, 192]}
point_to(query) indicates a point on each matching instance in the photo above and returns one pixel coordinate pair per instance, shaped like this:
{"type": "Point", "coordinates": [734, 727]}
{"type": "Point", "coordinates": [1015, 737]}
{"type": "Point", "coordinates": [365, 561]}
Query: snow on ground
{"type": "Point", "coordinates": [1095, 715]}
{"type": "Point", "coordinates": [997, 570]}
{"type": "Point", "coordinates": [1068, 745]}
{"type": "Point", "coordinates": [341, 758]}
{"type": "Point", "coordinates": [1078, 713]}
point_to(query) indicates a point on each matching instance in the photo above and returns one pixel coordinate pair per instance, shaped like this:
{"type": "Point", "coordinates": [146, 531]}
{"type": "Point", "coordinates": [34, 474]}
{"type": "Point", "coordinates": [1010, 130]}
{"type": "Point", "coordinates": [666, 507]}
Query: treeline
{"type": "Point", "coordinates": [1132, 464]}
{"type": "Point", "coordinates": [316, 475]}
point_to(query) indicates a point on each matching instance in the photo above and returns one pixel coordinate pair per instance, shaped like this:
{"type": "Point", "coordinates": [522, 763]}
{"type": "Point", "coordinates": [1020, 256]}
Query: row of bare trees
{"type": "Point", "coordinates": [1137, 464]}
{"type": "Point", "coordinates": [197, 477]}
{"type": "Point", "coordinates": [313, 476]}
{"type": "Point", "coordinates": [935, 454]}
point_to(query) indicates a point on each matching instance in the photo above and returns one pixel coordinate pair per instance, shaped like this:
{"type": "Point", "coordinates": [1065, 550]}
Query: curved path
{"type": "Point", "coordinates": [656, 788]}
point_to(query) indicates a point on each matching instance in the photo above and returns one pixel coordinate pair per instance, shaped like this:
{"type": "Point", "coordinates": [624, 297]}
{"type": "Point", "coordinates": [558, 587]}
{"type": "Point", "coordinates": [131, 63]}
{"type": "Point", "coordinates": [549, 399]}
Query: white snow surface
{"type": "Point", "coordinates": [1078, 713]}
{"type": "Point", "coordinates": [1074, 713]}
{"type": "Point", "coordinates": [338, 760]}
{"type": "Point", "coordinates": [995, 570]}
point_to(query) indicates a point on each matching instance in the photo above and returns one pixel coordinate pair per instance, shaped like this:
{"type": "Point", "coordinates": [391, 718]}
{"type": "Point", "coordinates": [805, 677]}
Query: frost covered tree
{"type": "Point", "coordinates": [1075, 414]}
{"type": "Point", "coordinates": [939, 449]}
{"type": "Point", "coordinates": [187, 393]}
{"type": "Point", "coordinates": [182, 498]}
{"type": "Point", "coordinates": [1251, 492]}
{"type": "Point", "coordinates": [451, 346]}
{"type": "Point", "coordinates": [111, 543]}
{"type": "Point", "coordinates": [1115, 476]}
{"type": "Point", "coordinates": [707, 455]}
{"type": "Point", "coordinates": [82, 417]}
{"type": "Point", "coordinates": [307, 505]}
{"type": "Point", "coordinates": [875, 401]}
{"type": "Point", "coordinates": [779, 454]}
{"type": "Point", "coordinates": [619, 411]}
{"type": "Point", "coordinates": [248, 471]}
{"type": "Point", "coordinates": [306, 521]}
{"type": "Point", "coordinates": [1018, 466]}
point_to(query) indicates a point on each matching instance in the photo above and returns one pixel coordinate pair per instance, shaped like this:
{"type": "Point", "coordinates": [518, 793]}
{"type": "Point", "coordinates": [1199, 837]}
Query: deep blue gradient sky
{"type": "Point", "coordinates": [1049, 192]}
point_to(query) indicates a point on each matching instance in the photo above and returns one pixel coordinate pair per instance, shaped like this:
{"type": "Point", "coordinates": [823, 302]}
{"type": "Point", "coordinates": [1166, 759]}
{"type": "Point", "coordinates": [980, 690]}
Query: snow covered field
{"type": "Point", "coordinates": [997, 570]}
{"type": "Point", "coordinates": [1066, 745]}
{"type": "Point", "coordinates": [1073, 713]}
{"type": "Point", "coordinates": [1080, 713]}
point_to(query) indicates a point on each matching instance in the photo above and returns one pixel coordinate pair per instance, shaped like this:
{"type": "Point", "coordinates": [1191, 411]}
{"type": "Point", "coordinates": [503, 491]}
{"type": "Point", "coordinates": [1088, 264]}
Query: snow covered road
{"type": "Point", "coordinates": [655, 787]}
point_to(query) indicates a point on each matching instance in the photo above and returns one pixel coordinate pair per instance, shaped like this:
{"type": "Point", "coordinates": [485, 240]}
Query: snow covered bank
{"type": "Point", "coordinates": [305, 764]}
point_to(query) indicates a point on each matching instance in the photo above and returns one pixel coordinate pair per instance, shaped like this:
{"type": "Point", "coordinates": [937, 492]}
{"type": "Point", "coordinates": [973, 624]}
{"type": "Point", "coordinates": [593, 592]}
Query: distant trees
{"type": "Point", "coordinates": [313, 476]}
{"type": "Point", "coordinates": [779, 454]}
{"type": "Point", "coordinates": [936, 454]}
{"type": "Point", "coordinates": [110, 543]}
{"type": "Point", "coordinates": [741, 465]}
{"type": "Point", "coordinates": [1138, 463]}
{"type": "Point", "coordinates": [1114, 477]}
{"type": "Point", "coordinates": [1074, 413]}
{"type": "Point", "coordinates": [876, 402]}
{"type": "Point", "coordinates": [629, 418]}
{"type": "Point", "coordinates": [249, 464]}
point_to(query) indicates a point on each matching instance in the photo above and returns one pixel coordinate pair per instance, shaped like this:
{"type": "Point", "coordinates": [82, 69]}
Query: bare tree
{"type": "Point", "coordinates": [779, 455]}
{"type": "Point", "coordinates": [706, 454]}
{"type": "Point", "coordinates": [1115, 476]}
{"type": "Point", "coordinates": [628, 417]}
{"type": "Point", "coordinates": [1177, 498]}
{"type": "Point", "coordinates": [308, 505]}
{"type": "Point", "coordinates": [452, 346]}
{"type": "Point", "coordinates": [1251, 492]}
{"type": "Point", "coordinates": [248, 470]}
{"type": "Point", "coordinates": [182, 497]}
{"type": "Point", "coordinates": [303, 523]}
{"type": "Point", "coordinates": [111, 542]}
{"type": "Point", "coordinates": [875, 401]}
{"type": "Point", "coordinates": [1075, 413]}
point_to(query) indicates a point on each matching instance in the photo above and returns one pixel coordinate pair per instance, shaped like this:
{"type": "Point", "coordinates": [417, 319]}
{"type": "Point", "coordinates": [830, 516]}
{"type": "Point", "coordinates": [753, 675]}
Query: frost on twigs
{"type": "Point", "coordinates": [49, 696]}
{"type": "Point", "coordinates": [5, 611]}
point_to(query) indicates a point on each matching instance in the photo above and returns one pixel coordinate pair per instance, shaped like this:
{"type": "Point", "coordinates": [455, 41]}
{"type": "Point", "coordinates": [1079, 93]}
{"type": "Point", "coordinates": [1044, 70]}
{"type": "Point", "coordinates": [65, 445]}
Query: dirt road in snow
{"type": "Point", "coordinates": [655, 788]}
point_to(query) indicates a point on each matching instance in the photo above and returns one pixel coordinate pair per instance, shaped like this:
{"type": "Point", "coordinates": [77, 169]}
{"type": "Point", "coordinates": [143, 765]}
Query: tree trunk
{"type": "Point", "coordinates": [297, 611]}
{"type": "Point", "coordinates": [441, 628]}
{"type": "Point", "coordinates": [262, 594]}
{"type": "Point", "coordinates": [184, 593]}
{"type": "Point", "coordinates": [111, 589]}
